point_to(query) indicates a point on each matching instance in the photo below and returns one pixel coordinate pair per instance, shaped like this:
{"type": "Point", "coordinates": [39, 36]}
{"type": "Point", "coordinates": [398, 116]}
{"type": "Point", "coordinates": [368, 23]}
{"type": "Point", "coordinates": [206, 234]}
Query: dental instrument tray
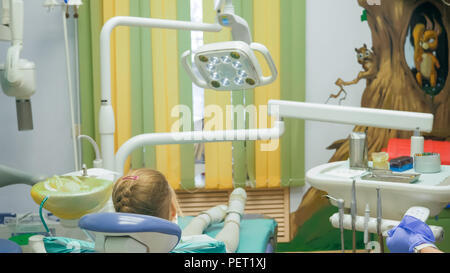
{"type": "Point", "coordinates": [390, 176]}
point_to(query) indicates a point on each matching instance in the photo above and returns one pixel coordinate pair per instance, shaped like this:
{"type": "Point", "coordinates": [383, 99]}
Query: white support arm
{"type": "Point", "coordinates": [240, 31]}
{"type": "Point", "coordinates": [17, 21]}
{"type": "Point", "coordinates": [12, 67]}
{"type": "Point", "coordinates": [106, 115]}
{"type": "Point", "coordinates": [5, 31]}
{"type": "Point", "coordinates": [386, 225]}
{"type": "Point", "coordinates": [194, 137]}
{"type": "Point", "coordinates": [399, 120]}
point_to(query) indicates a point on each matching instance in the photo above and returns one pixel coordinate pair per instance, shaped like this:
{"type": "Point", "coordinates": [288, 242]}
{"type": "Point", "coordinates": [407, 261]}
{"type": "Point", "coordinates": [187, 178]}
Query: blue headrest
{"type": "Point", "coordinates": [127, 223]}
{"type": "Point", "coordinates": [7, 246]}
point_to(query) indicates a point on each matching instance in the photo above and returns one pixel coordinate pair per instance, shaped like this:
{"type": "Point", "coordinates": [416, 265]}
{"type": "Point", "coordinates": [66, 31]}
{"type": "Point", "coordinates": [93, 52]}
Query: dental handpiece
{"type": "Point", "coordinates": [340, 203]}
{"type": "Point", "coordinates": [379, 219]}
{"type": "Point", "coordinates": [341, 221]}
{"type": "Point", "coordinates": [353, 213]}
{"type": "Point", "coordinates": [366, 224]}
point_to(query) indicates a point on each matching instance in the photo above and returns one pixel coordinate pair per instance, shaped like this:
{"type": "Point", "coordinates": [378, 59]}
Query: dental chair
{"type": "Point", "coordinates": [131, 233]}
{"type": "Point", "coordinates": [7, 246]}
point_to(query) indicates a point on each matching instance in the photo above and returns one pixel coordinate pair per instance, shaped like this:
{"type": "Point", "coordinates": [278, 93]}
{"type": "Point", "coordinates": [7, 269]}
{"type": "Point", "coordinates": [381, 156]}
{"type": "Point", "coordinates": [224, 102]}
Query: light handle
{"type": "Point", "coordinates": [185, 61]}
{"type": "Point", "coordinates": [273, 69]}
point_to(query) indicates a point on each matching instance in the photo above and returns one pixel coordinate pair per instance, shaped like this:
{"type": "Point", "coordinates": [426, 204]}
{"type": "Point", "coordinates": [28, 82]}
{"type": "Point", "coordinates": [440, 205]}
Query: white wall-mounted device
{"type": "Point", "coordinates": [17, 76]}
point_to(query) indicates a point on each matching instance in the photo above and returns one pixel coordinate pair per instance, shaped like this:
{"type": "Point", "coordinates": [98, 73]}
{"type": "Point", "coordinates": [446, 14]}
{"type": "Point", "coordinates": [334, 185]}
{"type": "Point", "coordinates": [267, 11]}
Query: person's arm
{"type": "Point", "coordinates": [411, 236]}
{"type": "Point", "coordinates": [430, 249]}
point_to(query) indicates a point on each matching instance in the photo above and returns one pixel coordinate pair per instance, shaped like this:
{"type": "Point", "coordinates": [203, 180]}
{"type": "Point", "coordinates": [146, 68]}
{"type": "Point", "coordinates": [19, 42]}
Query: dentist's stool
{"type": "Point", "coordinates": [7, 246]}
{"type": "Point", "coordinates": [131, 233]}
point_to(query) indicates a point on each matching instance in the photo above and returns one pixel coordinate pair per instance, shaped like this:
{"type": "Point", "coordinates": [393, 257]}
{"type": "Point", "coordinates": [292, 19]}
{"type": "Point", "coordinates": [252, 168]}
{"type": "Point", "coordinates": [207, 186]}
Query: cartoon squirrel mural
{"type": "Point", "coordinates": [425, 44]}
{"type": "Point", "coordinates": [366, 58]}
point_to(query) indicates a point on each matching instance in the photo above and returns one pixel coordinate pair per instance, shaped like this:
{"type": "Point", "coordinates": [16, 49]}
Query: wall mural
{"type": "Point", "coordinates": [406, 70]}
{"type": "Point", "coordinates": [430, 49]}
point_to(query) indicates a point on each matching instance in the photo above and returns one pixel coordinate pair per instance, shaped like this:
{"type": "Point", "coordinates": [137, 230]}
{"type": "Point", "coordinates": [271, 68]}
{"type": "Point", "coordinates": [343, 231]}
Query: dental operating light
{"type": "Point", "coordinates": [228, 66]}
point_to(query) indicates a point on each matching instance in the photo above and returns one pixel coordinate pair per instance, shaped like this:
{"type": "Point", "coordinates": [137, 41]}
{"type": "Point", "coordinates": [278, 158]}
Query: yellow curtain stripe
{"type": "Point", "coordinates": [172, 93]}
{"type": "Point", "coordinates": [120, 72]}
{"type": "Point", "coordinates": [165, 82]}
{"type": "Point", "coordinates": [274, 162]}
{"type": "Point", "coordinates": [123, 79]}
{"type": "Point", "coordinates": [267, 32]}
{"type": "Point", "coordinates": [218, 156]}
{"type": "Point", "coordinates": [225, 155]}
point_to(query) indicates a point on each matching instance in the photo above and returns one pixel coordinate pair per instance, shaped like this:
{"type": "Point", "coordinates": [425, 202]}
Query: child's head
{"type": "Point", "coordinates": [146, 192]}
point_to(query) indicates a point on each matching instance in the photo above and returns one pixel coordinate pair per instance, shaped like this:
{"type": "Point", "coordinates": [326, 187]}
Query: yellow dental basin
{"type": "Point", "coordinates": [71, 197]}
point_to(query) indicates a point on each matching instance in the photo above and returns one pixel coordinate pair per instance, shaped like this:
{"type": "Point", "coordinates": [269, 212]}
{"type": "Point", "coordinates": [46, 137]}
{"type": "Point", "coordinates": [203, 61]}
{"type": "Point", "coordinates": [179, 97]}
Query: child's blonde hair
{"type": "Point", "coordinates": [144, 191]}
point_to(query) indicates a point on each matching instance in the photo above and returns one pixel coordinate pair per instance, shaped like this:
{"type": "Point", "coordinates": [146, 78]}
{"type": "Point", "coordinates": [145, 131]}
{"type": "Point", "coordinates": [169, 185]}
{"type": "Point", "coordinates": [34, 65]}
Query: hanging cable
{"type": "Point", "coordinates": [69, 79]}
{"type": "Point", "coordinates": [77, 88]}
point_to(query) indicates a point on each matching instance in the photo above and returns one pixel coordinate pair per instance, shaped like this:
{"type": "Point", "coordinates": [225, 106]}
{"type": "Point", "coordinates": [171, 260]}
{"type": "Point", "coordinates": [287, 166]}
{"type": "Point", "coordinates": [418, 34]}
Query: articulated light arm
{"type": "Point", "coordinates": [195, 137]}
{"type": "Point", "coordinates": [240, 30]}
{"type": "Point", "coordinates": [110, 25]}
{"type": "Point", "coordinates": [106, 115]}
